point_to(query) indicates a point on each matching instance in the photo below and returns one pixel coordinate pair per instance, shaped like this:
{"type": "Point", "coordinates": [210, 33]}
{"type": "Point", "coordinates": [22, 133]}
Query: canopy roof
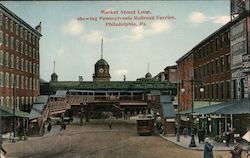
{"type": "Point", "coordinates": [8, 112]}
{"type": "Point", "coordinates": [225, 108]}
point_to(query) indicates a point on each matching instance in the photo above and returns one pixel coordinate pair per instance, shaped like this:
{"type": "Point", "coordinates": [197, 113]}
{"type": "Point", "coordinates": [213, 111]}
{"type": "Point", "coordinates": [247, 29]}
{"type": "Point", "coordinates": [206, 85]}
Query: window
{"type": "Point", "coordinates": [212, 91]}
{"type": "Point", "coordinates": [6, 23]}
{"type": "Point", "coordinates": [33, 40]}
{"type": "Point", "coordinates": [30, 67]}
{"type": "Point", "coordinates": [17, 81]}
{"type": "Point", "coordinates": [12, 42]}
{"type": "Point", "coordinates": [227, 38]}
{"type": "Point", "coordinates": [29, 37]}
{"type": "Point", "coordinates": [21, 64]}
{"type": "Point", "coordinates": [203, 70]}
{"type": "Point", "coordinates": [1, 79]}
{"type": "Point", "coordinates": [11, 26]}
{"type": "Point", "coordinates": [222, 90]}
{"type": "Point", "coordinates": [7, 77]}
{"type": "Point", "coordinates": [26, 83]}
{"type": "Point", "coordinates": [1, 57]}
{"type": "Point", "coordinates": [22, 81]}
{"type": "Point", "coordinates": [212, 67]}
{"type": "Point", "coordinates": [228, 89]}
{"type": "Point", "coordinates": [21, 32]}
{"type": "Point", "coordinates": [6, 40]}
{"type": "Point", "coordinates": [1, 37]}
{"type": "Point", "coordinates": [30, 84]}
{"type": "Point", "coordinates": [228, 62]}
{"type": "Point", "coordinates": [30, 51]}
{"type": "Point", "coordinates": [242, 88]}
{"type": "Point", "coordinates": [1, 19]}
{"type": "Point", "coordinates": [208, 91]}
{"type": "Point", "coordinates": [234, 89]}
{"type": "Point", "coordinates": [12, 61]}
{"type": "Point", "coordinates": [211, 46]}
{"type": "Point", "coordinates": [221, 64]}
{"type": "Point", "coordinates": [25, 34]}
{"type": "Point", "coordinates": [221, 41]}
{"type": "Point", "coordinates": [17, 29]}
{"type": "Point", "coordinates": [37, 42]}
{"type": "Point", "coordinates": [217, 91]}
{"type": "Point", "coordinates": [216, 65]}
{"type": "Point", "coordinates": [208, 73]}
{"type": "Point", "coordinates": [26, 49]}
{"type": "Point", "coordinates": [12, 80]}
{"type": "Point", "coordinates": [216, 43]}
{"type": "Point", "coordinates": [34, 53]}
{"type": "Point", "coordinates": [37, 84]}
{"type": "Point", "coordinates": [17, 45]}
{"type": "Point", "coordinates": [22, 47]}
{"type": "Point", "coordinates": [26, 66]}
{"type": "Point", "coordinates": [7, 59]}
{"type": "Point", "coordinates": [17, 63]}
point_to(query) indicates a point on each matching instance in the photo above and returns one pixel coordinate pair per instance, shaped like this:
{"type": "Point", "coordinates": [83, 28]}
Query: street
{"type": "Point", "coordinates": [96, 140]}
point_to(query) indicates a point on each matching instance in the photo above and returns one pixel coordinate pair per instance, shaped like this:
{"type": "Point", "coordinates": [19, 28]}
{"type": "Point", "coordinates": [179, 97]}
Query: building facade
{"type": "Point", "coordinates": [19, 61]}
{"type": "Point", "coordinates": [212, 70]}
{"type": "Point", "coordinates": [185, 73]}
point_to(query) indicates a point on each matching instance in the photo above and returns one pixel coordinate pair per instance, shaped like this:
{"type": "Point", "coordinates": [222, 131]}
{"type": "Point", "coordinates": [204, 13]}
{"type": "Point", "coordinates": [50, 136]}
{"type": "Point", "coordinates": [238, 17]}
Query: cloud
{"type": "Point", "coordinates": [140, 32]}
{"type": "Point", "coordinates": [220, 19]}
{"type": "Point", "coordinates": [73, 27]}
{"type": "Point", "coordinates": [199, 17]}
{"type": "Point", "coordinates": [94, 36]}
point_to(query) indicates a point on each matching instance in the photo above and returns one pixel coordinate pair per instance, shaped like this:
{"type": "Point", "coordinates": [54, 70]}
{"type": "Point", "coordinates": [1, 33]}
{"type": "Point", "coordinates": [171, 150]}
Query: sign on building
{"type": "Point", "coordinates": [238, 44]}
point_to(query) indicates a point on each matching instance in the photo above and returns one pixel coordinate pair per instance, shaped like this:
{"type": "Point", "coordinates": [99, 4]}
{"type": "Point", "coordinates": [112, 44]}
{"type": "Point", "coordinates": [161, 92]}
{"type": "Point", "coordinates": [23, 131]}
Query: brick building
{"type": "Point", "coordinates": [19, 61]}
{"type": "Point", "coordinates": [212, 67]}
{"type": "Point", "coordinates": [185, 72]}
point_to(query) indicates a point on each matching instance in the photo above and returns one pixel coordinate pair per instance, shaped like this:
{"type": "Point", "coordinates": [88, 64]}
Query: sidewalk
{"type": "Point", "coordinates": [184, 142]}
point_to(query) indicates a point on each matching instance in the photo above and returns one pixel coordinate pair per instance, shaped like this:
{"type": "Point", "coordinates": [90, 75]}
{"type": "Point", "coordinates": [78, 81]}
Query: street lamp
{"type": "Point", "coordinates": [192, 143]}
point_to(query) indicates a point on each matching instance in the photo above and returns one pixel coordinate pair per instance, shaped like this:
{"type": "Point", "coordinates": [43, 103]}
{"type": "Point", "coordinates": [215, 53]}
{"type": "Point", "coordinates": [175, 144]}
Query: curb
{"type": "Point", "coordinates": [193, 148]}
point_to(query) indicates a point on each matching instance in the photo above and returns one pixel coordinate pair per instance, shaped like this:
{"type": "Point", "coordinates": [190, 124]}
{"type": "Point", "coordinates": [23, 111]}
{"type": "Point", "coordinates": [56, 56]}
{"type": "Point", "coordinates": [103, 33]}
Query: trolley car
{"type": "Point", "coordinates": [145, 126]}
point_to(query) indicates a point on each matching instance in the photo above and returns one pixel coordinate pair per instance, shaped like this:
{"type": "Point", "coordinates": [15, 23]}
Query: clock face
{"type": "Point", "coordinates": [101, 70]}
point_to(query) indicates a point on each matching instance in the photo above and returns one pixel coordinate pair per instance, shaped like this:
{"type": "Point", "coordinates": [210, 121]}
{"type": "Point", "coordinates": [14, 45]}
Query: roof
{"type": "Point", "coordinates": [34, 114]}
{"type": "Point", "coordinates": [225, 108]}
{"type": "Point", "coordinates": [2, 7]}
{"type": "Point", "coordinates": [237, 107]}
{"type": "Point", "coordinates": [8, 112]}
{"type": "Point", "coordinates": [102, 62]}
{"type": "Point", "coordinates": [42, 99]}
{"type": "Point", "coordinates": [113, 85]}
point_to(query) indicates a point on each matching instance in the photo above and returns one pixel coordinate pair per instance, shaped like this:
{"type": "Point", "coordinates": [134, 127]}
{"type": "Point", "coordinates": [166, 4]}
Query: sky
{"type": "Point", "coordinates": [75, 44]}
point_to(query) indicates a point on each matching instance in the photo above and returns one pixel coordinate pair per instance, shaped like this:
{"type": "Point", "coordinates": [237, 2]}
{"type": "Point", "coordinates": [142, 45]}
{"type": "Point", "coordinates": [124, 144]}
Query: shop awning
{"type": "Point", "coordinates": [225, 108]}
{"type": "Point", "coordinates": [8, 112]}
{"type": "Point", "coordinates": [212, 108]}
{"type": "Point", "coordinates": [237, 107]}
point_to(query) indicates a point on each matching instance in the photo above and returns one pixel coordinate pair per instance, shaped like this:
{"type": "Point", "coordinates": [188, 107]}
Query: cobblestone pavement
{"type": "Point", "coordinates": [96, 140]}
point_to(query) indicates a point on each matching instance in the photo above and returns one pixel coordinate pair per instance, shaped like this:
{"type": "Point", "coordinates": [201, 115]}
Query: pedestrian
{"type": "Point", "coordinates": [236, 152]}
{"type": "Point", "coordinates": [49, 127]}
{"type": "Point", "coordinates": [208, 149]}
{"type": "Point", "coordinates": [185, 132]}
{"type": "Point", "coordinates": [228, 137]}
{"type": "Point", "coordinates": [199, 135]}
{"type": "Point", "coordinates": [110, 125]}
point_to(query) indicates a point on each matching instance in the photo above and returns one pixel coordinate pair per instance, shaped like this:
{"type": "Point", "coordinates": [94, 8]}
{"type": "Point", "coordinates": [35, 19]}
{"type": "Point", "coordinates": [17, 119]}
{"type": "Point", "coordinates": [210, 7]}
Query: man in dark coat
{"type": "Point", "coordinates": [236, 152]}
{"type": "Point", "coordinates": [208, 149]}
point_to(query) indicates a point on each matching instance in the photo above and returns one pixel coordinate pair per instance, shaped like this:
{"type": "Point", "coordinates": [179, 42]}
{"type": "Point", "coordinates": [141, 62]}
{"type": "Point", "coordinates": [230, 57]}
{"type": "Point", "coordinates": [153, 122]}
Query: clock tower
{"type": "Point", "coordinates": [101, 69]}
